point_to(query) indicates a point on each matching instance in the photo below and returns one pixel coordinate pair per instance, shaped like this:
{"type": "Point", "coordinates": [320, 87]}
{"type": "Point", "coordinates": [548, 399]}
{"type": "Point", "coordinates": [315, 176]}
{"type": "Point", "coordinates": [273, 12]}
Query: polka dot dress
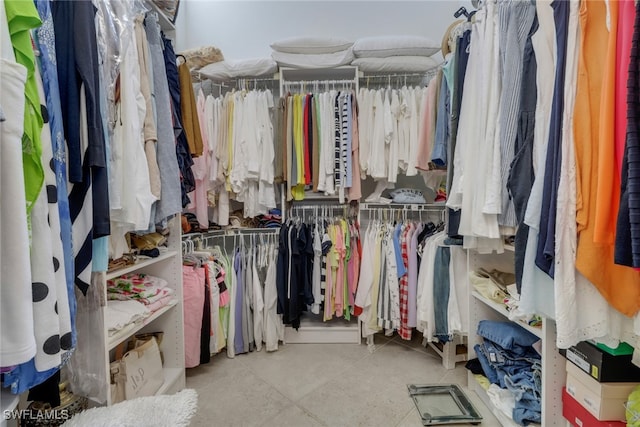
{"type": "Point", "coordinates": [52, 321]}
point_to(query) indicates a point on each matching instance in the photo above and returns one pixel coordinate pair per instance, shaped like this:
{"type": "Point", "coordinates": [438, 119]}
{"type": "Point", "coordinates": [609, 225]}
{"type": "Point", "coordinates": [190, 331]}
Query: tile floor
{"type": "Point", "coordinates": [321, 385]}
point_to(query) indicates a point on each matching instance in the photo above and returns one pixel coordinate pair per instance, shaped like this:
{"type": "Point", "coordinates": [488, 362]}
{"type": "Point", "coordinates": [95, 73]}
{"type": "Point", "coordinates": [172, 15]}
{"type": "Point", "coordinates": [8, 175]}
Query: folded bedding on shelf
{"type": "Point", "coordinates": [231, 69]}
{"type": "Point", "coordinates": [320, 60]}
{"type": "Point", "coordinates": [138, 286]}
{"type": "Point", "coordinates": [119, 314]}
{"type": "Point", "coordinates": [396, 64]}
{"type": "Point", "coordinates": [311, 45]}
{"type": "Point", "coordinates": [398, 45]}
{"type": "Point", "coordinates": [157, 305]}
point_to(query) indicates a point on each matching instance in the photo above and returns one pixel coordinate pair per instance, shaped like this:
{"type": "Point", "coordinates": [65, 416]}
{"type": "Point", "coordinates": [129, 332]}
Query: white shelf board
{"type": "Point", "coordinates": [171, 376]}
{"type": "Point", "coordinates": [141, 264]}
{"type": "Point", "coordinates": [313, 330]}
{"type": "Point", "coordinates": [509, 247]}
{"type": "Point", "coordinates": [163, 19]}
{"type": "Point", "coordinates": [128, 332]}
{"type": "Point", "coordinates": [502, 309]}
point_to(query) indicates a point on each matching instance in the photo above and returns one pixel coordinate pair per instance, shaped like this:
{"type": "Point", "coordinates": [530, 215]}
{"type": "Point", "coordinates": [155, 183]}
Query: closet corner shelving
{"type": "Point", "coordinates": [322, 75]}
{"type": "Point", "coordinates": [168, 319]}
{"type": "Point", "coordinates": [312, 329]}
{"type": "Point", "coordinates": [166, 25]}
{"type": "Point", "coordinates": [553, 364]}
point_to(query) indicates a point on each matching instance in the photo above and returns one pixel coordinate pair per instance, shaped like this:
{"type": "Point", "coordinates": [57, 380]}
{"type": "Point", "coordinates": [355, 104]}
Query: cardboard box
{"type": "Point", "coordinates": [605, 401]}
{"type": "Point", "coordinates": [601, 365]}
{"type": "Point", "coordinates": [577, 416]}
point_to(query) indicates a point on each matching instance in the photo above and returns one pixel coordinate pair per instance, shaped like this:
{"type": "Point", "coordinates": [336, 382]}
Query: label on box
{"type": "Point", "coordinates": [580, 362]}
{"type": "Point", "coordinates": [571, 390]}
{"type": "Point", "coordinates": [578, 422]}
{"type": "Point", "coordinates": [590, 404]}
{"type": "Point", "coordinates": [594, 371]}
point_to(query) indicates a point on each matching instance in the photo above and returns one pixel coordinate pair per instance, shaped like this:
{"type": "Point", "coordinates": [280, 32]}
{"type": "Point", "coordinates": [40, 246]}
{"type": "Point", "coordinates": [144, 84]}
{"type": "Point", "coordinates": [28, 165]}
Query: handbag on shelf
{"type": "Point", "coordinates": [138, 373]}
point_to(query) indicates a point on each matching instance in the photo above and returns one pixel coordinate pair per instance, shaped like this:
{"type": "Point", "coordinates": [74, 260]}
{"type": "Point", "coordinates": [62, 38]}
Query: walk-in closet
{"type": "Point", "coordinates": [319, 213]}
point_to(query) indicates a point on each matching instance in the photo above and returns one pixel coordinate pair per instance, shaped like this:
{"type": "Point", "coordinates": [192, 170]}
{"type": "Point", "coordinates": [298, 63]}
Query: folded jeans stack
{"type": "Point", "coordinates": [509, 361]}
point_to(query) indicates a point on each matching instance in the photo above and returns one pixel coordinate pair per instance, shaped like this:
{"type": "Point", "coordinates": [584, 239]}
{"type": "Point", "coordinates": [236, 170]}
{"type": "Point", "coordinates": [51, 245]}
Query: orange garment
{"type": "Point", "coordinates": [618, 285]}
{"type": "Point", "coordinates": [608, 177]}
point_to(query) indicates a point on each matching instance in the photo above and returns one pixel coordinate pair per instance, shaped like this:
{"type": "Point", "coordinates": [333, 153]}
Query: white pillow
{"type": "Point", "coordinates": [252, 67]}
{"type": "Point", "coordinates": [385, 46]}
{"type": "Point", "coordinates": [325, 60]}
{"type": "Point", "coordinates": [311, 45]}
{"type": "Point", "coordinates": [407, 64]}
{"type": "Point", "coordinates": [216, 71]}
{"type": "Point", "coordinates": [229, 69]}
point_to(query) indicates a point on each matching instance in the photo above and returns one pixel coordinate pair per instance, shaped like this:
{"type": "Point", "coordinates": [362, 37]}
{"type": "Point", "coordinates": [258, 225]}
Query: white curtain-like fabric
{"type": "Point", "coordinates": [17, 342]}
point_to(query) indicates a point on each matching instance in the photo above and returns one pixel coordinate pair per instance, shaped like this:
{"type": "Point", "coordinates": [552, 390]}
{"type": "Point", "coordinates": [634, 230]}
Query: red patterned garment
{"type": "Point", "coordinates": [405, 331]}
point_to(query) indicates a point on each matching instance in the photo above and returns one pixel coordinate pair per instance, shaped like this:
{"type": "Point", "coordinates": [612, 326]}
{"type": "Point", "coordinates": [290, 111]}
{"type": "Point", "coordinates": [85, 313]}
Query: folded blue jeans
{"type": "Point", "coordinates": [488, 369]}
{"type": "Point", "coordinates": [508, 336]}
{"type": "Point", "coordinates": [441, 287]}
{"type": "Point", "coordinates": [506, 364]}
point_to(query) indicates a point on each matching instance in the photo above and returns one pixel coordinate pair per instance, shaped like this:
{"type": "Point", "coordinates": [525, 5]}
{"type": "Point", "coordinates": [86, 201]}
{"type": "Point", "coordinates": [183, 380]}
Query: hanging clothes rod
{"type": "Point", "coordinates": [199, 237]}
{"type": "Point", "coordinates": [261, 79]}
{"type": "Point", "coordinates": [316, 83]}
{"type": "Point", "coordinates": [433, 207]}
{"type": "Point", "coordinates": [393, 75]}
{"type": "Point", "coordinates": [229, 232]}
{"type": "Point", "coordinates": [401, 78]}
{"type": "Point", "coordinates": [319, 210]}
{"type": "Point", "coordinates": [198, 241]}
{"type": "Point", "coordinates": [389, 211]}
{"type": "Point", "coordinates": [241, 236]}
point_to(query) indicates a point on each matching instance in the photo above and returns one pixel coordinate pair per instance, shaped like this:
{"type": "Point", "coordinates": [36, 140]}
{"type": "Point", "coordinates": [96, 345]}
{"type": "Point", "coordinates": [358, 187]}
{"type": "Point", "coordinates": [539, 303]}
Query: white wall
{"type": "Point", "coordinates": [244, 29]}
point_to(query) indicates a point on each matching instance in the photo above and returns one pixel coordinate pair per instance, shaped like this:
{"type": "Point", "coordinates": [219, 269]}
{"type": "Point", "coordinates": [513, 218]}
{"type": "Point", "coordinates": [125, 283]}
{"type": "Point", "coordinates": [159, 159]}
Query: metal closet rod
{"type": "Point", "coordinates": [228, 232]}
{"type": "Point", "coordinates": [319, 209]}
{"type": "Point", "coordinates": [226, 83]}
{"type": "Point", "coordinates": [435, 207]}
{"type": "Point", "coordinates": [273, 232]}
{"type": "Point", "coordinates": [312, 82]}
{"type": "Point", "coordinates": [387, 211]}
{"type": "Point", "coordinates": [386, 76]}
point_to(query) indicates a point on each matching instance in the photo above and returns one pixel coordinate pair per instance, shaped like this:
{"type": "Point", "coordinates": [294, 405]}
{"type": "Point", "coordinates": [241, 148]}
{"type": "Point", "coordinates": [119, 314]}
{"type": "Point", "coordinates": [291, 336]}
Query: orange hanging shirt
{"type": "Point", "coordinates": [619, 285]}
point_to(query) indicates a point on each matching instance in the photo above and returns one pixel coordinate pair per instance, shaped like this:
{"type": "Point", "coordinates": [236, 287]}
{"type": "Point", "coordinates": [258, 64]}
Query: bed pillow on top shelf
{"type": "Point", "coordinates": [236, 68]}
{"type": "Point", "coordinates": [311, 45]}
{"type": "Point", "coordinates": [385, 46]}
{"type": "Point", "coordinates": [324, 60]}
{"type": "Point", "coordinates": [396, 64]}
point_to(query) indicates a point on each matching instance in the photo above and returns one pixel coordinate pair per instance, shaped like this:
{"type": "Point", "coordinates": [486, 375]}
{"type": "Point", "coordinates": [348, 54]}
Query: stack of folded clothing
{"type": "Point", "coordinates": [407, 196]}
{"type": "Point", "coordinates": [151, 291]}
{"type": "Point", "coordinates": [510, 362]}
{"type": "Point", "coordinates": [492, 284]}
{"type": "Point", "coordinates": [119, 314]}
{"type": "Point", "coordinates": [390, 54]}
{"type": "Point", "coordinates": [271, 220]}
{"type": "Point", "coordinates": [312, 52]}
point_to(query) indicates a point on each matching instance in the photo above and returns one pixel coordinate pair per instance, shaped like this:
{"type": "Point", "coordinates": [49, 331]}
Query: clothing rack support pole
{"type": "Point", "coordinates": [283, 203]}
